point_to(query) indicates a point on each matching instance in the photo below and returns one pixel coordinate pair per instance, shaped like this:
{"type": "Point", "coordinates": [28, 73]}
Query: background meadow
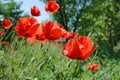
{"type": "Point", "coordinates": [37, 60]}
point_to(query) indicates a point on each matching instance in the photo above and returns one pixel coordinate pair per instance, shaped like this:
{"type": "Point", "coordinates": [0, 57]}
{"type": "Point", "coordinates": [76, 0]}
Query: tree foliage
{"type": "Point", "coordinates": [10, 9]}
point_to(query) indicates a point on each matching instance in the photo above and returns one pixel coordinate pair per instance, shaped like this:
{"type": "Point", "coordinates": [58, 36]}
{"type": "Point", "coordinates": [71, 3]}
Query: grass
{"type": "Point", "coordinates": [46, 62]}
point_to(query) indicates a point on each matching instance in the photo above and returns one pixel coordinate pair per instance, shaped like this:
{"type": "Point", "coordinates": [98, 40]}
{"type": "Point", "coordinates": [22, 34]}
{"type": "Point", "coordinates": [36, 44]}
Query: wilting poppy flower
{"type": "Point", "coordinates": [2, 32]}
{"type": "Point", "coordinates": [7, 43]}
{"type": "Point", "coordinates": [27, 27]}
{"type": "Point", "coordinates": [35, 11]}
{"type": "Point", "coordinates": [51, 6]}
{"type": "Point", "coordinates": [6, 23]}
{"type": "Point", "coordinates": [52, 31]}
{"type": "Point", "coordinates": [93, 67]}
{"type": "Point", "coordinates": [81, 48]}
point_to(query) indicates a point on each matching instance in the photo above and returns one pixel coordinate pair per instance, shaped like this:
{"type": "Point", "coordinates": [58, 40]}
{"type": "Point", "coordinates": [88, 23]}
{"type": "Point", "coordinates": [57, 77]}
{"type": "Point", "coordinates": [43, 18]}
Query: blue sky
{"type": "Point", "coordinates": [27, 4]}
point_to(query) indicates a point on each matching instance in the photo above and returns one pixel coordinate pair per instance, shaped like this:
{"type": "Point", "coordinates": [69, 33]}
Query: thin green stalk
{"type": "Point", "coordinates": [94, 56]}
{"type": "Point", "coordinates": [91, 61]}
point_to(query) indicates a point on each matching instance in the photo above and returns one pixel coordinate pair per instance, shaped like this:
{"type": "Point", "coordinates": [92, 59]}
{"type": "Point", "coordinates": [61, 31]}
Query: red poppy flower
{"type": "Point", "coordinates": [6, 23]}
{"type": "Point", "coordinates": [27, 27]}
{"type": "Point", "coordinates": [73, 34]}
{"type": "Point", "coordinates": [51, 6]}
{"type": "Point", "coordinates": [85, 47]}
{"type": "Point", "coordinates": [65, 34]}
{"type": "Point", "coordinates": [2, 32]}
{"type": "Point", "coordinates": [71, 49]}
{"type": "Point", "coordinates": [41, 35]}
{"type": "Point", "coordinates": [52, 31]}
{"type": "Point", "coordinates": [93, 67]}
{"type": "Point", "coordinates": [79, 49]}
{"type": "Point", "coordinates": [35, 11]}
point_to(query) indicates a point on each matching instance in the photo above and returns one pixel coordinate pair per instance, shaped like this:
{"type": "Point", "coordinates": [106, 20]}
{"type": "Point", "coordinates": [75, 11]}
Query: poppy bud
{"type": "Point", "coordinates": [35, 11]}
{"type": "Point", "coordinates": [6, 23]}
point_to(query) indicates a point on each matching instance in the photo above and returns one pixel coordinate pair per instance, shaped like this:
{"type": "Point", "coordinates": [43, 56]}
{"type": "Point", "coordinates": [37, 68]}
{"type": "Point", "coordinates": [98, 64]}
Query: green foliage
{"type": "Point", "coordinates": [45, 62]}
